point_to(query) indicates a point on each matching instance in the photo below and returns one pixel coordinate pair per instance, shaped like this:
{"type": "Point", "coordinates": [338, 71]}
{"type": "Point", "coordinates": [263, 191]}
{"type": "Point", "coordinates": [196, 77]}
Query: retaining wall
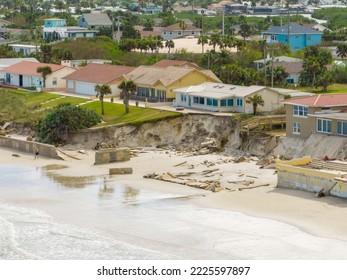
{"type": "Point", "coordinates": [29, 147]}
{"type": "Point", "coordinates": [291, 175]}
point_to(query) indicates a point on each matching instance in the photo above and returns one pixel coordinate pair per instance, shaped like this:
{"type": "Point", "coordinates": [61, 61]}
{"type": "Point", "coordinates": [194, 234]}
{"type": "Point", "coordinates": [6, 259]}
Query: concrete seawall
{"type": "Point", "coordinates": [294, 175]}
{"type": "Point", "coordinates": [29, 147]}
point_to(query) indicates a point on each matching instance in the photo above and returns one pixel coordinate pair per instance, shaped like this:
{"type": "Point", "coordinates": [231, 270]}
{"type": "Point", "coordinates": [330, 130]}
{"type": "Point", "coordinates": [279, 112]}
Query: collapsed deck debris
{"type": "Point", "coordinates": [209, 185]}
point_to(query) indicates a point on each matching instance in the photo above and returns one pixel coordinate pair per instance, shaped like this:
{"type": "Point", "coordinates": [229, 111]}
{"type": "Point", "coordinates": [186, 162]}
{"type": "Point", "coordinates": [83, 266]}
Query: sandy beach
{"type": "Point", "coordinates": [317, 216]}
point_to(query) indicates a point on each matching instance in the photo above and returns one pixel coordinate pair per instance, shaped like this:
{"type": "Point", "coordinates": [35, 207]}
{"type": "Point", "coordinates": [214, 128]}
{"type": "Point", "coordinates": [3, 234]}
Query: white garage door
{"type": "Point", "coordinates": [85, 88]}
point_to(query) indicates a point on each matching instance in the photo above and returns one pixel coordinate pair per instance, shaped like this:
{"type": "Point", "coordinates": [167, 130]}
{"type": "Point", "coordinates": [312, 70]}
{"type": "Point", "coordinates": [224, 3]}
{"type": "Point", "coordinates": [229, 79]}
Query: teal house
{"type": "Point", "coordinates": [299, 36]}
{"type": "Point", "coordinates": [54, 22]}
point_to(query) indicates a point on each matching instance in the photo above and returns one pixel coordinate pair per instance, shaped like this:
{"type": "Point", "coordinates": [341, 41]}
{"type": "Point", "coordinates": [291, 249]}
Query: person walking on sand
{"type": "Point", "coordinates": [36, 153]}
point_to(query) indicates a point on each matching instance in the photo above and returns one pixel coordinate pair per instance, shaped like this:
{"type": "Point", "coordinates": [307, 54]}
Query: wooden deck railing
{"type": "Point", "coordinates": [255, 122]}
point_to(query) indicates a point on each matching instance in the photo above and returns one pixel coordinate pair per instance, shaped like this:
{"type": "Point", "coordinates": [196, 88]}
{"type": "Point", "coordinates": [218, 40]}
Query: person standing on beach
{"type": "Point", "coordinates": [36, 153]}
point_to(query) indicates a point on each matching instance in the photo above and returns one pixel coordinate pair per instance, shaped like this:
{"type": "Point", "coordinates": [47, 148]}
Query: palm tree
{"type": "Point", "coordinates": [127, 88]}
{"type": "Point", "coordinates": [203, 40]}
{"type": "Point", "coordinates": [342, 50]}
{"type": "Point", "coordinates": [45, 71]}
{"type": "Point", "coordinates": [169, 44]}
{"type": "Point", "coordinates": [183, 26]}
{"type": "Point", "coordinates": [255, 100]}
{"type": "Point", "coordinates": [214, 40]}
{"type": "Point", "coordinates": [101, 91]}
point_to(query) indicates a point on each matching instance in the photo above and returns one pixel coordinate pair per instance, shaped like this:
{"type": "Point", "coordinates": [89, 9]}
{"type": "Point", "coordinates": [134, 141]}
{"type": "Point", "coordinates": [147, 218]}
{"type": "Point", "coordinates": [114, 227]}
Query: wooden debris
{"type": "Point", "coordinates": [184, 162]}
{"type": "Point", "coordinates": [253, 187]}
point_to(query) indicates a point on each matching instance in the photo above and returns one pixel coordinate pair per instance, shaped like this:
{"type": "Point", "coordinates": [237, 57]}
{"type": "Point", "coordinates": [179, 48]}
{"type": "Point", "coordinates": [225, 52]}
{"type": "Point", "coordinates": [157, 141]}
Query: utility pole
{"type": "Point", "coordinates": [223, 20]}
{"type": "Point", "coordinates": [289, 30]}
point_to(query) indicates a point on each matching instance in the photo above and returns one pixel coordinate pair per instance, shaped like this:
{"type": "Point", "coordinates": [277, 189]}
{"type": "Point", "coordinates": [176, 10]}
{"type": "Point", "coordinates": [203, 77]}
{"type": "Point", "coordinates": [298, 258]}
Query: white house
{"type": "Point", "coordinates": [176, 31]}
{"type": "Point", "coordinates": [84, 80]}
{"type": "Point", "coordinates": [25, 50]}
{"type": "Point", "coordinates": [6, 62]}
{"type": "Point", "coordinates": [227, 98]}
{"type": "Point", "coordinates": [24, 74]}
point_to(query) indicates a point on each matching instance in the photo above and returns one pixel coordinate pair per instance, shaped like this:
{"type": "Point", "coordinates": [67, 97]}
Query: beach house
{"type": "Point", "coordinates": [25, 74]}
{"type": "Point", "coordinates": [94, 20]}
{"type": "Point", "coordinates": [323, 113]}
{"type": "Point", "coordinates": [220, 97]}
{"type": "Point", "coordinates": [157, 84]}
{"type": "Point", "coordinates": [295, 35]}
{"type": "Point", "coordinates": [84, 79]}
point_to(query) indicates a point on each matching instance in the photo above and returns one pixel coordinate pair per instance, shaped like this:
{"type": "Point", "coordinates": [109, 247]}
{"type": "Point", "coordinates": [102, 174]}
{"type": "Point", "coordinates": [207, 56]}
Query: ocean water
{"type": "Point", "coordinates": [46, 216]}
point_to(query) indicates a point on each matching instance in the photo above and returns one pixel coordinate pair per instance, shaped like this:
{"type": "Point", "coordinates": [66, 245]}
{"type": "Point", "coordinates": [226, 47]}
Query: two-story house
{"type": "Point", "coordinates": [55, 29]}
{"type": "Point", "coordinates": [178, 31]}
{"type": "Point", "coordinates": [323, 113]}
{"type": "Point", "coordinates": [294, 35]}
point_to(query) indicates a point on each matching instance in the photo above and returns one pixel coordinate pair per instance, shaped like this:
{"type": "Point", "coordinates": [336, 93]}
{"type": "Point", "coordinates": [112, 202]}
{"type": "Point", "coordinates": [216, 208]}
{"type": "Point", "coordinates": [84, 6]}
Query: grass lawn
{"type": "Point", "coordinates": [332, 89]}
{"type": "Point", "coordinates": [115, 113]}
{"type": "Point", "coordinates": [63, 99]}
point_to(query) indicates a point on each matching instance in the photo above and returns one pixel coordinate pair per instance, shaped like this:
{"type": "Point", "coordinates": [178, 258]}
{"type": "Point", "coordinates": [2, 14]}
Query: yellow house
{"type": "Point", "coordinates": [157, 84]}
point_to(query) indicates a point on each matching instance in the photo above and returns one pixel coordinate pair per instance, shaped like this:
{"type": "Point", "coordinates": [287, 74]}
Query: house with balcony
{"type": "Point", "coordinates": [323, 113]}
{"type": "Point", "coordinates": [295, 35]}
{"type": "Point", "coordinates": [55, 29]}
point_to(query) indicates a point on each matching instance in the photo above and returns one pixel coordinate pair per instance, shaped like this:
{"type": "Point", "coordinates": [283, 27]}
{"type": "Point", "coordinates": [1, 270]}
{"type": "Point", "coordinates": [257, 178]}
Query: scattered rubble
{"type": "Point", "coordinates": [209, 185]}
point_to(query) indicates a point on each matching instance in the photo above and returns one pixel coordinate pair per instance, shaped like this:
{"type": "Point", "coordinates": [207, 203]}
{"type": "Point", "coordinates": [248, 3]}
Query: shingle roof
{"type": "Point", "coordinates": [294, 29]}
{"type": "Point", "coordinates": [29, 68]}
{"type": "Point", "coordinates": [176, 27]}
{"type": "Point", "coordinates": [5, 62]}
{"type": "Point", "coordinates": [291, 67]}
{"type": "Point", "coordinates": [321, 100]}
{"type": "Point", "coordinates": [97, 19]}
{"type": "Point", "coordinates": [99, 73]}
{"type": "Point", "coordinates": [150, 75]}
{"type": "Point", "coordinates": [168, 62]}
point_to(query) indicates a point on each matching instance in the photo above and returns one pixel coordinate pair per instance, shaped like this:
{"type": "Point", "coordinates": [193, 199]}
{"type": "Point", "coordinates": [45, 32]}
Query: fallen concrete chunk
{"type": "Point", "coordinates": [122, 170]}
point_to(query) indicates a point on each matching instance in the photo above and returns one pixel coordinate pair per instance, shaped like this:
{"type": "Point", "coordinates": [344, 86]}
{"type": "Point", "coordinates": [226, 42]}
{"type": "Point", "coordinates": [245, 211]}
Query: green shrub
{"type": "Point", "coordinates": [64, 119]}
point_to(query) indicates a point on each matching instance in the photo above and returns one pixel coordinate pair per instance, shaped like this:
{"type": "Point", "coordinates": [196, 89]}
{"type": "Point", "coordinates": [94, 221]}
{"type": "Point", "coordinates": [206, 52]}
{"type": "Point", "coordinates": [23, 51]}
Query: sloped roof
{"type": "Point", "coordinates": [97, 19]}
{"type": "Point", "coordinates": [281, 58]}
{"type": "Point", "coordinates": [320, 100]}
{"type": "Point", "coordinates": [218, 90]}
{"type": "Point", "coordinates": [169, 62]}
{"type": "Point", "coordinates": [150, 75]}
{"type": "Point", "coordinates": [99, 73]}
{"type": "Point", "coordinates": [294, 29]}
{"type": "Point", "coordinates": [176, 27]}
{"type": "Point", "coordinates": [29, 68]}
{"type": "Point", "coordinates": [5, 62]}
{"type": "Point", "coordinates": [291, 67]}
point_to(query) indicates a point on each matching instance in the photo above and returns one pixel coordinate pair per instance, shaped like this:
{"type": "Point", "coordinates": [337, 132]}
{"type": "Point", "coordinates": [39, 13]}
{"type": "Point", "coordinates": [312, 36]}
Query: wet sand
{"type": "Point", "coordinates": [318, 216]}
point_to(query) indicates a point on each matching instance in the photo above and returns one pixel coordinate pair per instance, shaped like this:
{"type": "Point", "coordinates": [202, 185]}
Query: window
{"type": "Point", "coordinates": [323, 126]}
{"type": "Point", "coordinates": [183, 98]}
{"type": "Point", "coordinates": [215, 102]}
{"type": "Point", "coordinates": [209, 101]}
{"type": "Point", "coordinates": [342, 128]}
{"type": "Point", "coordinates": [230, 102]}
{"type": "Point", "coordinates": [299, 110]}
{"type": "Point", "coordinates": [199, 100]}
{"type": "Point", "coordinates": [239, 102]}
{"type": "Point", "coordinates": [223, 103]}
{"type": "Point", "coordinates": [296, 128]}
{"type": "Point", "coordinates": [179, 33]}
{"type": "Point", "coordinates": [54, 81]}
